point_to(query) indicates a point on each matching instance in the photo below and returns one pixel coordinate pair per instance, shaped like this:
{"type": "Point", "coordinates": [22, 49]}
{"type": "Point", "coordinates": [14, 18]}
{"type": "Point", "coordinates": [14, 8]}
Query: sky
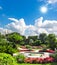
{"type": "Point", "coordinates": [28, 17]}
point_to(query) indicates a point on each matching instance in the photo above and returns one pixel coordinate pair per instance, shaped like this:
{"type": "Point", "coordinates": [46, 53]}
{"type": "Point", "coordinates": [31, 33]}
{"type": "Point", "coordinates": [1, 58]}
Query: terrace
{"type": "Point", "coordinates": [35, 53]}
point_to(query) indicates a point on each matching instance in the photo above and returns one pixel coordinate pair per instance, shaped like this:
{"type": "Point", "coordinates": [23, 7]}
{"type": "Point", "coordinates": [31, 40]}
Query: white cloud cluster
{"type": "Point", "coordinates": [40, 26]}
{"type": "Point", "coordinates": [17, 26]}
{"type": "Point", "coordinates": [49, 1]}
{"type": "Point", "coordinates": [5, 31]}
{"type": "Point", "coordinates": [52, 1]}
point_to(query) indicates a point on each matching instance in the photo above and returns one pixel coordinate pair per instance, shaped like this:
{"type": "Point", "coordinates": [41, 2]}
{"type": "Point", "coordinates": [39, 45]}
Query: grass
{"type": "Point", "coordinates": [38, 64]}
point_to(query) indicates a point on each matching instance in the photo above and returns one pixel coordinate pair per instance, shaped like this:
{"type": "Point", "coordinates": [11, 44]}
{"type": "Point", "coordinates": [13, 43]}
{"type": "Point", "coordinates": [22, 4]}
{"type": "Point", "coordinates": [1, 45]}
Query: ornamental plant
{"type": "Point", "coordinates": [20, 58]}
{"type": "Point", "coordinates": [39, 60]}
{"type": "Point", "coordinates": [7, 59]}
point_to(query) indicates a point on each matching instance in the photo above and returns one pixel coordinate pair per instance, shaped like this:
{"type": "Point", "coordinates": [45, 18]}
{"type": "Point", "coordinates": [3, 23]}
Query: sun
{"type": "Point", "coordinates": [43, 9]}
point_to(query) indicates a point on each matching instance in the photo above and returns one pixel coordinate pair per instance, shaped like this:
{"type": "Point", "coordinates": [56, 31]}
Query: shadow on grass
{"type": "Point", "coordinates": [38, 64]}
{"type": "Point", "coordinates": [50, 63]}
{"type": "Point", "coordinates": [53, 63]}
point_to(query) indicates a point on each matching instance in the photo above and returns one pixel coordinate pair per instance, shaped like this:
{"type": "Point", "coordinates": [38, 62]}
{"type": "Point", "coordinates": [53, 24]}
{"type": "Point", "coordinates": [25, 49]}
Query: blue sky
{"type": "Point", "coordinates": [29, 10]}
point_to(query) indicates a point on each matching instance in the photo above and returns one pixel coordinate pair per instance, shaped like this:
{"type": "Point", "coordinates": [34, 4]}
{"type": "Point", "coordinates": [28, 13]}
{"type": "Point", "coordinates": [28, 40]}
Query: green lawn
{"type": "Point", "coordinates": [39, 64]}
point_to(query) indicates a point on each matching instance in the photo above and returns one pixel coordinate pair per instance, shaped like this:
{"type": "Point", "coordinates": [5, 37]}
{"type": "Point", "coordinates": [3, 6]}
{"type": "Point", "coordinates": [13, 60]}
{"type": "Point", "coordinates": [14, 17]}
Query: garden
{"type": "Point", "coordinates": [16, 49]}
{"type": "Point", "coordinates": [37, 57]}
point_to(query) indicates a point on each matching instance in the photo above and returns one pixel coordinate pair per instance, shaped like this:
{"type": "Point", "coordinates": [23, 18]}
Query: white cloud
{"type": "Point", "coordinates": [42, 30]}
{"type": "Point", "coordinates": [5, 31]}
{"type": "Point", "coordinates": [52, 1]}
{"type": "Point", "coordinates": [13, 19]}
{"type": "Point", "coordinates": [38, 22]}
{"type": "Point", "coordinates": [49, 1]}
{"type": "Point", "coordinates": [40, 26]}
{"type": "Point", "coordinates": [18, 25]}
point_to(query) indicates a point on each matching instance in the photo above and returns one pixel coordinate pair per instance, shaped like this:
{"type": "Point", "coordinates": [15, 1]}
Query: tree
{"type": "Point", "coordinates": [37, 43]}
{"type": "Point", "coordinates": [43, 38]}
{"type": "Point", "coordinates": [7, 47]}
{"type": "Point", "coordinates": [14, 37]}
{"type": "Point", "coordinates": [33, 37]}
{"type": "Point", "coordinates": [52, 41]}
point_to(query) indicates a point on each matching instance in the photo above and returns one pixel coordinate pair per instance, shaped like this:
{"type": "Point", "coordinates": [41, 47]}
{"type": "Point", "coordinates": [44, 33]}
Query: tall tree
{"type": "Point", "coordinates": [33, 37]}
{"type": "Point", "coordinates": [43, 38]}
{"type": "Point", "coordinates": [37, 43]}
{"type": "Point", "coordinates": [7, 47]}
{"type": "Point", "coordinates": [14, 37]}
{"type": "Point", "coordinates": [52, 41]}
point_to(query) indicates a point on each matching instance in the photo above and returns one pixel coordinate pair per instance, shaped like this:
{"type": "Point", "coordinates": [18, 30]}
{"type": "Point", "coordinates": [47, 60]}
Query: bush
{"type": "Point", "coordinates": [43, 46]}
{"type": "Point", "coordinates": [29, 47]}
{"type": "Point", "coordinates": [54, 56]}
{"type": "Point", "coordinates": [43, 50]}
{"type": "Point", "coordinates": [7, 47]}
{"type": "Point", "coordinates": [20, 58]}
{"type": "Point", "coordinates": [7, 59]}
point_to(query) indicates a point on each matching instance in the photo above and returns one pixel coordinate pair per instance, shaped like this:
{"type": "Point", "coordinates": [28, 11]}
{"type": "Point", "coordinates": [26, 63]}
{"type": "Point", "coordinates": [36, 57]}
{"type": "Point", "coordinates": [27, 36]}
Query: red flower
{"type": "Point", "coordinates": [49, 59]}
{"type": "Point", "coordinates": [39, 60]}
{"type": "Point", "coordinates": [50, 51]}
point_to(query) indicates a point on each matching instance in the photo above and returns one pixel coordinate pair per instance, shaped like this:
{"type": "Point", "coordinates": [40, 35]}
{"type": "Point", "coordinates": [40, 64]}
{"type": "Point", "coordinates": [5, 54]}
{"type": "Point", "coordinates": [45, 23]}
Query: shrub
{"type": "Point", "coordinates": [54, 56]}
{"type": "Point", "coordinates": [7, 59]}
{"type": "Point", "coordinates": [43, 50]}
{"type": "Point", "coordinates": [29, 47]}
{"type": "Point", "coordinates": [20, 58]}
{"type": "Point", "coordinates": [43, 46]}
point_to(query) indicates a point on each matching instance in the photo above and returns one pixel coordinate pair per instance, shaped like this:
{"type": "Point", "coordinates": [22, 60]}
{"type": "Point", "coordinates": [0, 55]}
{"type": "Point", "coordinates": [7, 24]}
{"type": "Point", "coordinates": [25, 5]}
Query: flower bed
{"type": "Point", "coordinates": [39, 60]}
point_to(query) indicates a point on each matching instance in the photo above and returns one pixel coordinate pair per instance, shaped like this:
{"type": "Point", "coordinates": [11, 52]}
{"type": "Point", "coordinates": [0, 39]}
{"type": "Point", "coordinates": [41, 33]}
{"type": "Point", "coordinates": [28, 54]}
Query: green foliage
{"type": "Point", "coordinates": [9, 42]}
{"type": "Point", "coordinates": [7, 47]}
{"type": "Point", "coordinates": [37, 43]}
{"type": "Point", "coordinates": [43, 38]}
{"type": "Point", "coordinates": [31, 41]}
{"type": "Point", "coordinates": [44, 49]}
{"type": "Point", "coordinates": [14, 37]}
{"type": "Point", "coordinates": [20, 58]}
{"type": "Point", "coordinates": [33, 37]}
{"type": "Point", "coordinates": [29, 47]}
{"type": "Point", "coordinates": [7, 59]}
{"type": "Point", "coordinates": [22, 43]}
{"type": "Point", "coordinates": [44, 46]}
{"type": "Point", "coordinates": [38, 64]}
{"type": "Point", "coordinates": [52, 41]}
{"type": "Point", "coordinates": [54, 56]}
